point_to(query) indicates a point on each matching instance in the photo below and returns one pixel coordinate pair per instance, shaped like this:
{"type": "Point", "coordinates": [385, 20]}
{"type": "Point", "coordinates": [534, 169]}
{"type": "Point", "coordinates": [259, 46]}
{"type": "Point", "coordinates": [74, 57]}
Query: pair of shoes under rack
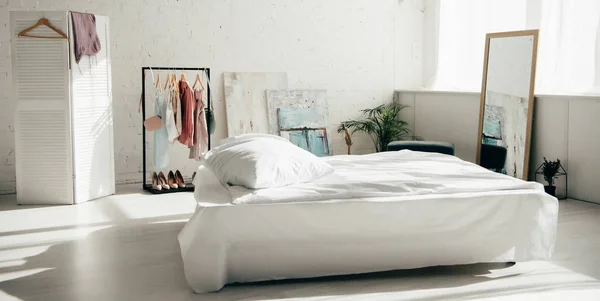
{"type": "Point", "coordinates": [172, 181]}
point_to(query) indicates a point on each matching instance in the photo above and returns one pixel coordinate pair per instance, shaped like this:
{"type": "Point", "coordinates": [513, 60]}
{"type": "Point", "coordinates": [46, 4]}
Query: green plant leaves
{"type": "Point", "coordinates": [382, 125]}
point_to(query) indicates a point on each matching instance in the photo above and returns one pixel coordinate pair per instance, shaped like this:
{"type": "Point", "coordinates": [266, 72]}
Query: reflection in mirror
{"type": "Point", "coordinates": [507, 102]}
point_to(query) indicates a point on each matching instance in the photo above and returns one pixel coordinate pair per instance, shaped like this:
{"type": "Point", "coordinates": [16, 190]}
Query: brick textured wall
{"type": "Point", "coordinates": [344, 46]}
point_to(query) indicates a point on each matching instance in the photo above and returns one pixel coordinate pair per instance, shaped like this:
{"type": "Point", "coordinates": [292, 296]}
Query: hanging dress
{"type": "Point", "coordinates": [177, 110]}
{"type": "Point", "coordinates": [200, 131]}
{"type": "Point", "coordinates": [186, 95]}
{"type": "Point", "coordinates": [172, 132]}
{"type": "Point", "coordinates": [161, 140]}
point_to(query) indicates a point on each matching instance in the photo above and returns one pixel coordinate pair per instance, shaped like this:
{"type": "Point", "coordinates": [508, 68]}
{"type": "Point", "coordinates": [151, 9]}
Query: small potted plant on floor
{"type": "Point", "coordinates": [550, 170]}
{"type": "Point", "coordinates": [382, 124]}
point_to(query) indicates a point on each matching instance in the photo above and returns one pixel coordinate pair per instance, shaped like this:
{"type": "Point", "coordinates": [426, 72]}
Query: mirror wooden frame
{"type": "Point", "coordinates": [508, 34]}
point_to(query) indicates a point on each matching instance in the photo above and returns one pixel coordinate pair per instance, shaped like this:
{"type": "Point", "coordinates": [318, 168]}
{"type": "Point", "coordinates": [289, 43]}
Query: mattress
{"type": "Point", "coordinates": [225, 243]}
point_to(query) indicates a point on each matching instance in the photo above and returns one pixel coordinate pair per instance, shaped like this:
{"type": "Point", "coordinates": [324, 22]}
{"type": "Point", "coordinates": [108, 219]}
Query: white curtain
{"type": "Point", "coordinates": [569, 47]}
{"type": "Point", "coordinates": [568, 50]}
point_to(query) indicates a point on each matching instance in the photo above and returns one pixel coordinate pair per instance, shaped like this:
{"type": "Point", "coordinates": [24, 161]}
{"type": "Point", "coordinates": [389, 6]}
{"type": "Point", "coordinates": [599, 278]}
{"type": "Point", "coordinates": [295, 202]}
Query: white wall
{"type": "Point", "coordinates": [344, 46]}
{"type": "Point", "coordinates": [563, 128]}
{"type": "Point", "coordinates": [444, 116]}
{"type": "Point", "coordinates": [408, 47]}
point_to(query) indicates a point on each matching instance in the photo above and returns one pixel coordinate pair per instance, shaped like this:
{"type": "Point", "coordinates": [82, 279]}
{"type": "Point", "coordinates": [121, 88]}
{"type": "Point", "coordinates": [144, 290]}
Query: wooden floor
{"type": "Point", "coordinates": [125, 248]}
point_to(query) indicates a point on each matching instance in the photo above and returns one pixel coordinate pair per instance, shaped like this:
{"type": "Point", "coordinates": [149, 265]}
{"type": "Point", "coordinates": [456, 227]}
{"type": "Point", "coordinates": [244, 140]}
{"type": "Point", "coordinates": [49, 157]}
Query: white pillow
{"type": "Point", "coordinates": [245, 137]}
{"type": "Point", "coordinates": [265, 163]}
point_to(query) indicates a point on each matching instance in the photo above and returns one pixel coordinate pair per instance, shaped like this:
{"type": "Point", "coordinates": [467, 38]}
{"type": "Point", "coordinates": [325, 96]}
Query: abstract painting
{"type": "Point", "coordinates": [245, 100]}
{"type": "Point", "coordinates": [305, 128]}
{"type": "Point", "coordinates": [293, 99]}
{"type": "Point", "coordinates": [505, 124]}
{"type": "Point", "coordinates": [281, 99]}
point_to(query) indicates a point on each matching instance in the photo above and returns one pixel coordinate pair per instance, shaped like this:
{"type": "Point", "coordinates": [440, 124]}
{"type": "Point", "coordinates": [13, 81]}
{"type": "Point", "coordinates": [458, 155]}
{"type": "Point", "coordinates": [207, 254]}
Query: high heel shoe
{"type": "Point", "coordinates": [163, 181]}
{"type": "Point", "coordinates": [155, 182]}
{"type": "Point", "coordinates": [179, 179]}
{"type": "Point", "coordinates": [171, 180]}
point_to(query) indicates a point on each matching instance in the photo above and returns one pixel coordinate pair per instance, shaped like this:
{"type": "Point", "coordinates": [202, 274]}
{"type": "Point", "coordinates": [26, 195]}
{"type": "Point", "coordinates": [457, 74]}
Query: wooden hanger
{"type": "Point", "coordinates": [182, 77]}
{"type": "Point", "coordinates": [157, 85]}
{"type": "Point", "coordinates": [174, 82]}
{"type": "Point", "coordinates": [167, 81]}
{"type": "Point", "coordinates": [198, 81]}
{"type": "Point", "coordinates": [45, 22]}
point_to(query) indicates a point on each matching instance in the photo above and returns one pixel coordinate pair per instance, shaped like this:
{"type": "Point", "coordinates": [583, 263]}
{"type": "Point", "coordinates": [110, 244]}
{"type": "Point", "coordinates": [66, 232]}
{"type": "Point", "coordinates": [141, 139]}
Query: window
{"type": "Point", "coordinates": [568, 50]}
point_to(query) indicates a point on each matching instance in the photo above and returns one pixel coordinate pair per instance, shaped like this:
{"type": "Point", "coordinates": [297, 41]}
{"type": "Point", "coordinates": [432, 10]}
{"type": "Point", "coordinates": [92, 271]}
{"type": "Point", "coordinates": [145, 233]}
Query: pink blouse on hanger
{"type": "Point", "coordinates": [200, 132]}
{"type": "Point", "coordinates": [186, 95]}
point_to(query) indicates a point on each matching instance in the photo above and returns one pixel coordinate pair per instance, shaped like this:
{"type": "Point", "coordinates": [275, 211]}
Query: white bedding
{"type": "Point", "coordinates": [224, 243]}
{"type": "Point", "coordinates": [387, 174]}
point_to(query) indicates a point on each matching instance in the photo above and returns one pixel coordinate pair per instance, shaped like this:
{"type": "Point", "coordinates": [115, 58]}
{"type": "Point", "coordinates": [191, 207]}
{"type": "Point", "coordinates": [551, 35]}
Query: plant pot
{"type": "Point", "coordinates": [551, 190]}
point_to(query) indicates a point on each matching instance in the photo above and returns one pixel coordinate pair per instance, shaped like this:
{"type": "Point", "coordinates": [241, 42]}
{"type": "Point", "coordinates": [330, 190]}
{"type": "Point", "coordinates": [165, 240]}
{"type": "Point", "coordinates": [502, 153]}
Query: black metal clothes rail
{"type": "Point", "coordinates": [145, 185]}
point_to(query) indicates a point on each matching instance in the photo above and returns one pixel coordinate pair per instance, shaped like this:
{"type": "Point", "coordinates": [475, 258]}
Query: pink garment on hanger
{"type": "Point", "coordinates": [200, 132]}
{"type": "Point", "coordinates": [186, 95]}
{"type": "Point", "coordinates": [85, 36]}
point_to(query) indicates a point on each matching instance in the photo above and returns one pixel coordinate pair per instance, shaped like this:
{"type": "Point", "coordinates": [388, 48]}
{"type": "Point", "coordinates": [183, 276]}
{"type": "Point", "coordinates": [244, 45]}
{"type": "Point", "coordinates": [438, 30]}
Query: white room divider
{"type": "Point", "coordinates": [64, 127]}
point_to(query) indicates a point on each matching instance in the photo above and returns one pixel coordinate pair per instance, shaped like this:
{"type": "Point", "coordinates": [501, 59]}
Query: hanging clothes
{"type": "Point", "coordinates": [171, 108]}
{"type": "Point", "coordinates": [177, 109]}
{"type": "Point", "coordinates": [85, 36]}
{"type": "Point", "coordinates": [161, 140]}
{"type": "Point", "coordinates": [200, 131]}
{"type": "Point", "coordinates": [186, 95]}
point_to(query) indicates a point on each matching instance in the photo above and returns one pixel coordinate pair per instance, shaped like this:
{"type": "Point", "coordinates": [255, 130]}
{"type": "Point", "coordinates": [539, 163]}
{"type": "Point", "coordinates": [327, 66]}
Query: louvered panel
{"type": "Point", "coordinates": [92, 120]}
{"type": "Point", "coordinates": [92, 82]}
{"type": "Point", "coordinates": [40, 64]}
{"type": "Point", "coordinates": [43, 157]}
{"type": "Point", "coordinates": [41, 90]}
{"type": "Point", "coordinates": [93, 153]}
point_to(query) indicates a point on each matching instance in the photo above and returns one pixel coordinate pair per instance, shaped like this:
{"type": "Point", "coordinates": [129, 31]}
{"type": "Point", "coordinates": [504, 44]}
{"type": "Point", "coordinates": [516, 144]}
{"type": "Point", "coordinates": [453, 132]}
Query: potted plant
{"type": "Point", "coordinates": [550, 170]}
{"type": "Point", "coordinates": [382, 125]}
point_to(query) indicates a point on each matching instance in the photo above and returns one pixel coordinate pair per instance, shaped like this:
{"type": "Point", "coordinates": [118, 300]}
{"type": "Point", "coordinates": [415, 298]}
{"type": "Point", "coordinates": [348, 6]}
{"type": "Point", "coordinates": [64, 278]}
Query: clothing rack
{"type": "Point", "coordinates": [145, 186]}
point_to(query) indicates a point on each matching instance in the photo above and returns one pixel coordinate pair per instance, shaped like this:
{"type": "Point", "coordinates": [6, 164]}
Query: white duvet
{"type": "Point", "coordinates": [388, 174]}
{"type": "Point", "coordinates": [411, 214]}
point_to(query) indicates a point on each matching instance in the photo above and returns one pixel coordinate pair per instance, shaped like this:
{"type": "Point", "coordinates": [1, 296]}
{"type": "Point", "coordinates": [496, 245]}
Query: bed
{"type": "Point", "coordinates": [377, 212]}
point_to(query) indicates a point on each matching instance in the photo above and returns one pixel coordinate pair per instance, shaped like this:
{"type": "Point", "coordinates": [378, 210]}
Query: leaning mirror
{"type": "Point", "coordinates": [507, 96]}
